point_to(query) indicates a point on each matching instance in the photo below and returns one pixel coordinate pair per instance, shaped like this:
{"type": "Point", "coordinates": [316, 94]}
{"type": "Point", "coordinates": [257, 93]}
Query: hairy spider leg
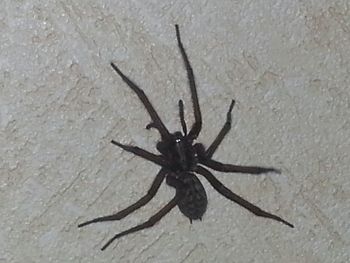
{"type": "Point", "coordinates": [182, 117]}
{"type": "Point", "coordinates": [218, 186]}
{"type": "Point", "coordinates": [230, 168]}
{"type": "Point", "coordinates": [149, 223]}
{"type": "Point", "coordinates": [197, 126]}
{"type": "Point", "coordinates": [157, 159]}
{"type": "Point", "coordinates": [224, 130]}
{"type": "Point", "coordinates": [156, 121]}
{"type": "Point", "coordinates": [141, 202]}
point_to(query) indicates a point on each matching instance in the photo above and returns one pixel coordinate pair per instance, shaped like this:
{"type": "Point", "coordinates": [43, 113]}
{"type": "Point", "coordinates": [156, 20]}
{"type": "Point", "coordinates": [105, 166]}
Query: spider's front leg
{"type": "Point", "coordinates": [157, 159]}
{"type": "Point", "coordinates": [224, 130]}
{"type": "Point", "coordinates": [182, 119]}
{"type": "Point", "coordinates": [205, 156]}
{"type": "Point", "coordinates": [230, 168]}
{"type": "Point", "coordinates": [197, 126]}
{"type": "Point", "coordinates": [156, 121]}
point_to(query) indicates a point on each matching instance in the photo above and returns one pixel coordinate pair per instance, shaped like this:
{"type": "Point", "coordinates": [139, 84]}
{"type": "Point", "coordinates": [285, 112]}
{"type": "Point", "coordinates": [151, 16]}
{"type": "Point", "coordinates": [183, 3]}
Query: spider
{"type": "Point", "coordinates": [180, 158]}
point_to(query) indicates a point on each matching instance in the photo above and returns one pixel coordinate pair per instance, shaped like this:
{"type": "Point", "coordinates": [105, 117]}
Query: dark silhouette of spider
{"type": "Point", "coordinates": [180, 158]}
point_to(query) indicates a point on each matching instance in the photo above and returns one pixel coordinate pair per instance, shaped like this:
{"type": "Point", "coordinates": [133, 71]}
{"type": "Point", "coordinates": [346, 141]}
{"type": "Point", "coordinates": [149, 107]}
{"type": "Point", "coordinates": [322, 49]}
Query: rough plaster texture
{"type": "Point", "coordinates": [285, 62]}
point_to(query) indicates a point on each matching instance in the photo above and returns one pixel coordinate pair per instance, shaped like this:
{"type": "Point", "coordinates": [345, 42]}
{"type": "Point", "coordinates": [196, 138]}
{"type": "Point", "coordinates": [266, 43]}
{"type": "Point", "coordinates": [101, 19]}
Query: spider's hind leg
{"type": "Point", "coordinates": [223, 190]}
{"type": "Point", "coordinates": [149, 223]}
{"type": "Point", "coordinates": [141, 202]}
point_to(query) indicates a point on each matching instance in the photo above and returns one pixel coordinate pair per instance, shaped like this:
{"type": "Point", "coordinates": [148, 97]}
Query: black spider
{"type": "Point", "coordinates": [180, 158]}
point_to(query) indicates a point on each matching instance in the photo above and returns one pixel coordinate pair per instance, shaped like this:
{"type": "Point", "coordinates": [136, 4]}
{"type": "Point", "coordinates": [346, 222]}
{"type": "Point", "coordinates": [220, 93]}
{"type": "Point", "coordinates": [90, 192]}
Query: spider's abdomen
{"type": "Point", "coordinates": [193, 198]}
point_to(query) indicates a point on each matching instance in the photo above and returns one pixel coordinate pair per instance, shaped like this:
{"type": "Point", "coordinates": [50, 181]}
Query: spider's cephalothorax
{"type": "Point", "coordinates": [180, 159]}
{"type": "Point", "coordinates": [178, 150]}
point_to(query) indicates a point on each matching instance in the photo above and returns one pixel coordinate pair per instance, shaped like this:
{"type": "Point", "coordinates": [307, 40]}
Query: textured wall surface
{"type": "Point", "coordinates": [285, 62]}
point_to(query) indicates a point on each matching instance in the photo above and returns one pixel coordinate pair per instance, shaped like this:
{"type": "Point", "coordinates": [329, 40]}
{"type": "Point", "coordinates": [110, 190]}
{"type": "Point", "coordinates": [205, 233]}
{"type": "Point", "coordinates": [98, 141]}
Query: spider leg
{"type": "Point", "coordinates": [218, 186]}
{"type": "Point", "coordinates": [224, 130]}
{"type": "Point", "coordinates": [230, 168]}
{"type": "Point", "coordinates": [156, 121]}
{"type": "Point", "coordinates": [141, 202]}
{"type": "Point", "coordinates": [197, 126]}
{"type": "Point", "coordinates": [157, 159]}
{"type": "Point", "coordinates": [182, 117]}
{"type": "Point", "coordinates": [149, 223]}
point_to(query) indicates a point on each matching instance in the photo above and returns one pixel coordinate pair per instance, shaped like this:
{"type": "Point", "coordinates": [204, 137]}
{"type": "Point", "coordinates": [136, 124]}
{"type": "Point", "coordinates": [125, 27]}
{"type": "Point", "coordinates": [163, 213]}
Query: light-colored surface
{"type": "Point", "coordinates": [285, 62]}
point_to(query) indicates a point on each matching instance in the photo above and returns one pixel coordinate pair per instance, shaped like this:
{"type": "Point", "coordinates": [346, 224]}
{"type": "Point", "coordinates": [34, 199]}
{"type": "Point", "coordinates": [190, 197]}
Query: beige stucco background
{"type": "Point", "coordinates": [285, 62]}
